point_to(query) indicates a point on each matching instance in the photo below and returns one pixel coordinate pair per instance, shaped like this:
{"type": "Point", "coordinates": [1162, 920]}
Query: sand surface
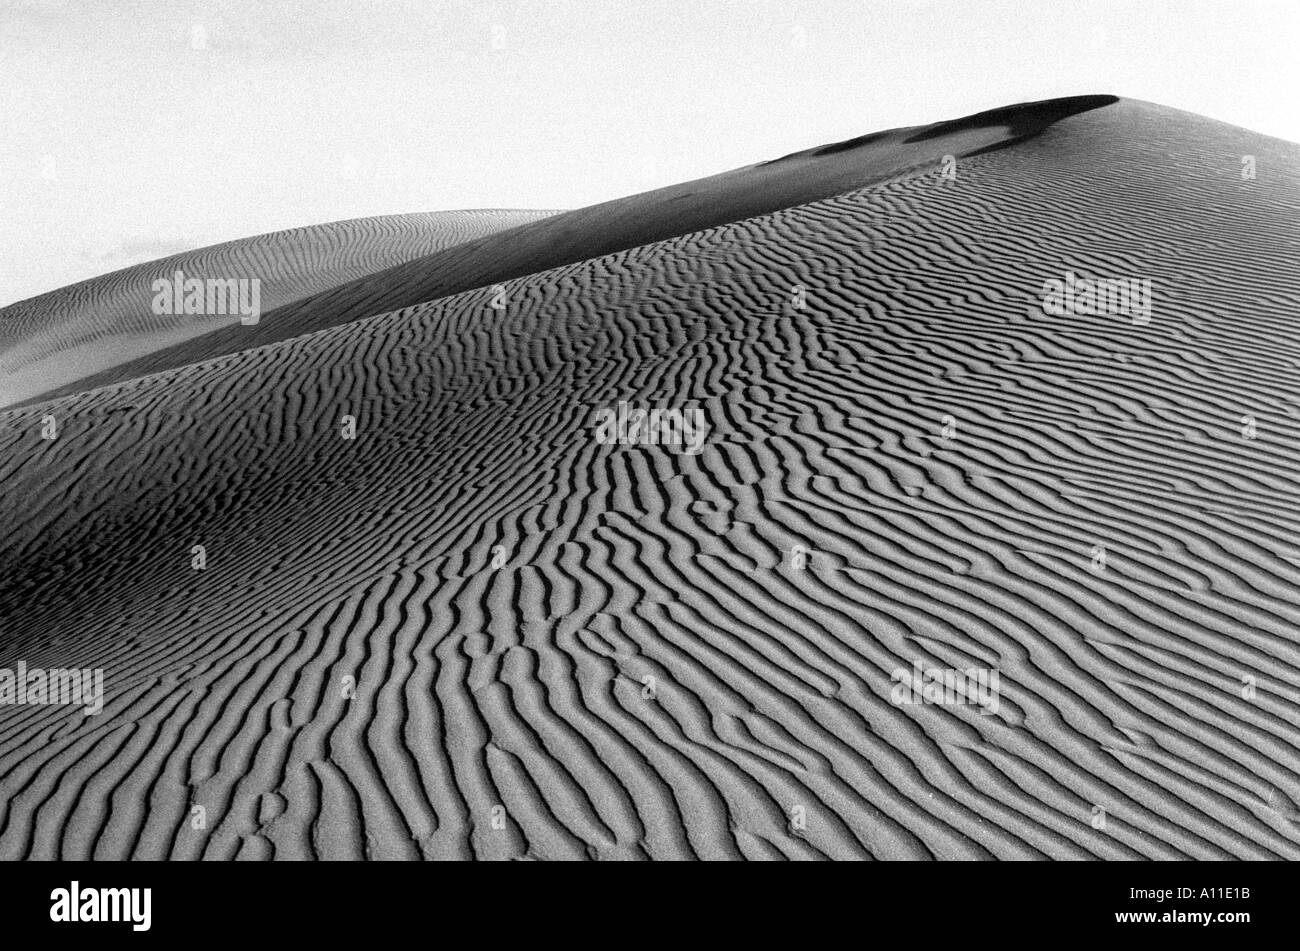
{"type": "Point", "coordinates": [82, 335]}
{"type": "Point", "coordinates": [474, 630]}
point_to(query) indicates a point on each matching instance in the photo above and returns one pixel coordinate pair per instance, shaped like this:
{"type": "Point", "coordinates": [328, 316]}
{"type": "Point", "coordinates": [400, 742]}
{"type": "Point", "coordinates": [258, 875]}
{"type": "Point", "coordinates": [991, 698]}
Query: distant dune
{"type": "Point", "coordinates": [439, 617]}
{"type": "Point", "coordinates": [93, 327]}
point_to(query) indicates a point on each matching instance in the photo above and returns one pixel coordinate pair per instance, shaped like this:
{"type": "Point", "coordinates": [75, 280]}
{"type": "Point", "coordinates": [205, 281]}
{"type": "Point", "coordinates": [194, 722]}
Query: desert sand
{"type": "Point", "coordinates": [74, 336]}
{"type": "Point", "coordinates": [438, 618]}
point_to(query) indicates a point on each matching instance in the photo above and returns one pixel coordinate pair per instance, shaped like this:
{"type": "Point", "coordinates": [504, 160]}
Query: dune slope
{"type": "Point", "coordinates": [585, 233]}
{"type": "Point", "coordinates": [476, 630]}
{"type": "Point", "coordinates": [67, 339]}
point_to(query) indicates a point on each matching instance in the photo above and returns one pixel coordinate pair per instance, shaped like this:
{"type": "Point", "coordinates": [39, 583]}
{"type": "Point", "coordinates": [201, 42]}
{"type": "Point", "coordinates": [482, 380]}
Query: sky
{"type": "Point", "coordinates": [133, 129]}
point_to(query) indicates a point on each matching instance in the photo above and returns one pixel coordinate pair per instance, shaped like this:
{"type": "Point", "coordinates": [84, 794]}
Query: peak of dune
{"type": "Point", "coordinates": [101, 331]}
{"type": "Point", "coordinates": [97, 345]}
{"type": "Point", "coordinates": [1019, 121]}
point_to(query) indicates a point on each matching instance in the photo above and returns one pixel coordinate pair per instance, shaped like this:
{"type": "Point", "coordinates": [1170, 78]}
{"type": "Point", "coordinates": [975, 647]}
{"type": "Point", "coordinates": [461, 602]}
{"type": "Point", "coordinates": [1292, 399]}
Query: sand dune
{"type": "Point", "coordinates": [56, 341]}
{"type": "Point", "coordinates": [603, 229]}
{"type": "Point", "coordinates": [475, 630]}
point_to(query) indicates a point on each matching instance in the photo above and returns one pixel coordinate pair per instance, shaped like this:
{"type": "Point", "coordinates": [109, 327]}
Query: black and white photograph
{"type": "Point", "coordinates": [471, 431]}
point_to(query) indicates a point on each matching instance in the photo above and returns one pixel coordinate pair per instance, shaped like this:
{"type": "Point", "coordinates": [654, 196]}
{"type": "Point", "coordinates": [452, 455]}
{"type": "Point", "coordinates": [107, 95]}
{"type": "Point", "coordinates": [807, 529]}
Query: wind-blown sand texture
{"type": "Point", "coordinates": [498, 584]}
{"type": "Point", "coordinates": [80, 334]}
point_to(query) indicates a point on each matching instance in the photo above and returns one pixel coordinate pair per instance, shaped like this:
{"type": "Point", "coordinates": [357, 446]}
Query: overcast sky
{"type": "Point", "coordinates": [131, 130]}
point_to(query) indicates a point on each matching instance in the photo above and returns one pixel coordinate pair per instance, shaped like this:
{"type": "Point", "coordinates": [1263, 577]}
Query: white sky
{"type": "Point", "coordinates": [121, 142]}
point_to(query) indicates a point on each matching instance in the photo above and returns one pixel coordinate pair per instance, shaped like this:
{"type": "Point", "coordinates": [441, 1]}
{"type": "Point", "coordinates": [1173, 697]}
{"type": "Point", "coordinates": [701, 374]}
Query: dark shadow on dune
{"type": "Point", "coordinates": [847, 144]}
{"type": "Point", "coordinates": [1024, 119]}
{"type": "Point", "coordinates": [832, 149]}
{"type": "Point", "coordinates": [998, 146]}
